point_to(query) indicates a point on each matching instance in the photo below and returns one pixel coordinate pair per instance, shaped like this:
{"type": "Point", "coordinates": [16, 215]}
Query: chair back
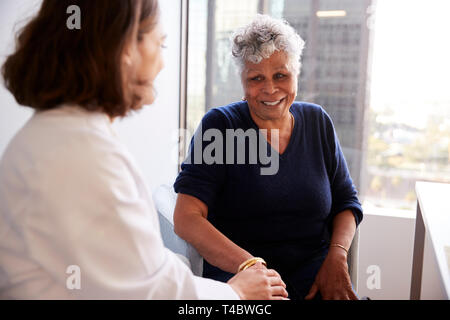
{"type": "Point", "coordinates": [165, 199]}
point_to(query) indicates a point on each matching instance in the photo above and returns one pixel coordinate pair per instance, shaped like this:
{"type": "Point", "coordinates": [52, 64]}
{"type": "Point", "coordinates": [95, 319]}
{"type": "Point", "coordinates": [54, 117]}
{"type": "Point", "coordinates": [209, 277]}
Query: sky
{"type": "Point", "coordinates": [411, 58]}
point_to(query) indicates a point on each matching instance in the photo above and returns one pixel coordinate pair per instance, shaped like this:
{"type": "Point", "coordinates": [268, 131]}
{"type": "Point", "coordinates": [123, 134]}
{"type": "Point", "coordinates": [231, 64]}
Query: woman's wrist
{"type": "Point", "coordinates": [250, 262]}
{"type": "Point", "coordinates": [338, 253]}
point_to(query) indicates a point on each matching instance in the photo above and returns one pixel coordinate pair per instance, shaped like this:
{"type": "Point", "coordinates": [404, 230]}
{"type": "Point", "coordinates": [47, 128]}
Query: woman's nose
{"type": "Point", "coordinates": [269, 87]}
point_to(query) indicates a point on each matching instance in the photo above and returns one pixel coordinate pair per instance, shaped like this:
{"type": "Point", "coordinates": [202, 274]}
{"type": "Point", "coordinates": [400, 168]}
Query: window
{"type": "Point", "coordinates": [379, 68]}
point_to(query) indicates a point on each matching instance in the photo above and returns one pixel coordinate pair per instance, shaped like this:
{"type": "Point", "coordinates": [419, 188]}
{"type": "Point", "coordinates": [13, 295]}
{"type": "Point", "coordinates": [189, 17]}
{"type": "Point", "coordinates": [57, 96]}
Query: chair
{"type": "Point", "coordinates": [352, 260]}
{"type": "Point", "coordinates": [165, 199]}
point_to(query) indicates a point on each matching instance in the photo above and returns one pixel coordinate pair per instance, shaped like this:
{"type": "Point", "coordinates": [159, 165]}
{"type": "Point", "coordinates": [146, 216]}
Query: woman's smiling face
{"type": "Point", "coordinates": [150, 44]}
{"type": "Point", "coordinates": [270, 86]}
{"type": "Point", "coordinates": [143, 60]}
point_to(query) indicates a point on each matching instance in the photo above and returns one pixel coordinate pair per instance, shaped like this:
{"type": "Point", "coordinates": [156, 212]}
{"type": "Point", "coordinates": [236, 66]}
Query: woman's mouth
{"type": "Point", "coordinates": [272, 103]}
{"type": "Point", "coordinates": [142, 82]}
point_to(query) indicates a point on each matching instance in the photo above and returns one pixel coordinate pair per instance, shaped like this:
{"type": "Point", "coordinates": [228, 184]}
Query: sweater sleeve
{"type": "Point", "coordinates": [202, 172]}
{"type": "Point", "coordinates": [344, 193]}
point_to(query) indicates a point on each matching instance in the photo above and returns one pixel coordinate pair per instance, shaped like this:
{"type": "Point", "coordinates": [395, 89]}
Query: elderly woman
{"type": "Point", "coordinates": [300, 220]}
{"type": "Point", "coordinates": [71, 196]}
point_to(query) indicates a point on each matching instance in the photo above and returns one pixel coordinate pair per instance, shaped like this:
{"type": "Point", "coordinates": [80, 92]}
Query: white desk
{"type": "Point", "coordinates": [431, 259]}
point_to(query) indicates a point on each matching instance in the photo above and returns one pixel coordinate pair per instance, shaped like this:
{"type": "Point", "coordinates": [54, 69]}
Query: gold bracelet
{"type": "Point", "coordinates": [248, 265]}
{"type": "Point", "coordinates": [250, 262]}
{"type": "Point", "coordinates": [339, 246]}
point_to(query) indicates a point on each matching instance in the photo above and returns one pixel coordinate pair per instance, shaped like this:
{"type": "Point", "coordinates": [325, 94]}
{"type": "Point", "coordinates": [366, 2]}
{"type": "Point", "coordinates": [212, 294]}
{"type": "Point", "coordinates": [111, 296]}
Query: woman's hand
{"type": "Point", "coordinates": [333, 279]}
{"type": "Point", "coordinates": [259, 283]}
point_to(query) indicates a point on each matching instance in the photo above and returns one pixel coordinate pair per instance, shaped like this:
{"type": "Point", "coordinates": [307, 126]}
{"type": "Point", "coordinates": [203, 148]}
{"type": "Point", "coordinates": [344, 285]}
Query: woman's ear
{"type": "Point", "coordinates": [126, 58]}
{"type": "Point", "coordinates": [128, 54]}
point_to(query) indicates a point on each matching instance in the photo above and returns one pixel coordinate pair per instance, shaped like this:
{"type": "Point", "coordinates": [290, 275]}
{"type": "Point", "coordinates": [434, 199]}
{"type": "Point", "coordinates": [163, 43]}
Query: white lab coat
{"type": "Point", "coordinates": [72, 199]}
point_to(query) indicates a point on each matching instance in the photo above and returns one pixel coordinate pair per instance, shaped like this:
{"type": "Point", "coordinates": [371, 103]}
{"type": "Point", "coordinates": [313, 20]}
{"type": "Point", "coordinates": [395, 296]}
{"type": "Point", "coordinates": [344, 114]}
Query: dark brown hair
{"type": "Point", "coordinates": [53, 64]}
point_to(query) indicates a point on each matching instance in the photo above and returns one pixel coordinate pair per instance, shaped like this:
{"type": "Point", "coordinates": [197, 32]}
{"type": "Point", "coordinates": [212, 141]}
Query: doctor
{"type": "Point", "coordinates": [71, 196]}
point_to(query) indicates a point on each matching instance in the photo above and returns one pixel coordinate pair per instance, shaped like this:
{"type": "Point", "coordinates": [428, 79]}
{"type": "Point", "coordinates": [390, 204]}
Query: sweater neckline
{"type": "Point", "coordinates": [291, 140]}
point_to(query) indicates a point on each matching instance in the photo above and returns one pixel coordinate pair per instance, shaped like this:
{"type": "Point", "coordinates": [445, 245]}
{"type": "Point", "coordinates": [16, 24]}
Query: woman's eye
{"type": "Point", "coordinates": [279, 76]}
{"type": "Point", "coordinates": [257, 78]}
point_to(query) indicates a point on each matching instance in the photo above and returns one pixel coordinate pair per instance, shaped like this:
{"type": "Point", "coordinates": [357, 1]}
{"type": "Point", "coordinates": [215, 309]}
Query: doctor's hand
{"type": "Point", "coordinates": [259, 283]}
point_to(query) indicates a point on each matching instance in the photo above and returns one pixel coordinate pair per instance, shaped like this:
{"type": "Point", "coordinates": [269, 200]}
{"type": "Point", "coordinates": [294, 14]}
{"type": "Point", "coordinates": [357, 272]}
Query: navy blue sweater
{"type": "Point", "coordinates": [286, 217]}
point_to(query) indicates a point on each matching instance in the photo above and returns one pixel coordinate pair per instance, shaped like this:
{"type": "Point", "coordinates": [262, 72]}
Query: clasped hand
{"type": "Point", "coordinates": [333, 280]}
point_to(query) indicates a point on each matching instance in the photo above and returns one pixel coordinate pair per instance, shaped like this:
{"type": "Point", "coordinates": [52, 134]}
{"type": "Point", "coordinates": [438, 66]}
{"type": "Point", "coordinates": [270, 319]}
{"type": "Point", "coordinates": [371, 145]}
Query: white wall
{"type": "Point", "coordinates": [149, 134]}
{"type": "Point", "coordinates": [12, 116]}
{"type": "Point", "coordinates": [387, 242]}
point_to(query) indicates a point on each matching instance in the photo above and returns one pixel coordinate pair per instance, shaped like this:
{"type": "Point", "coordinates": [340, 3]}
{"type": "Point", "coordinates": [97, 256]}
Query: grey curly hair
{"type": "Point", "coordinates": [262, 37]}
